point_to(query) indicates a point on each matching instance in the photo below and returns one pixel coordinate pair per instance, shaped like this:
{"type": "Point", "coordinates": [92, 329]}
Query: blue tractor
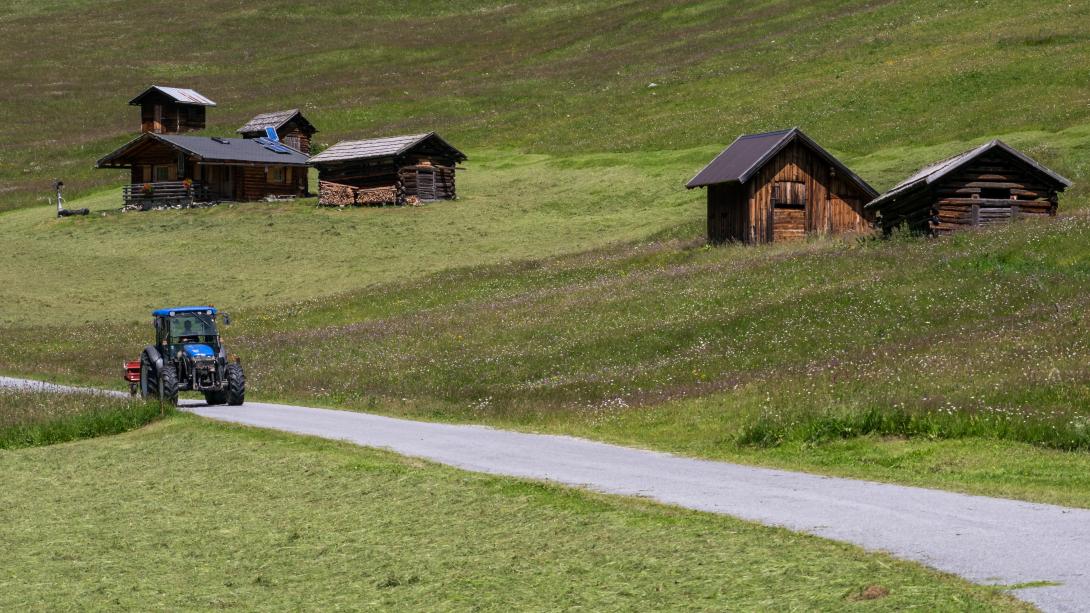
{"type": "Point", "coordinates": [188, 355]}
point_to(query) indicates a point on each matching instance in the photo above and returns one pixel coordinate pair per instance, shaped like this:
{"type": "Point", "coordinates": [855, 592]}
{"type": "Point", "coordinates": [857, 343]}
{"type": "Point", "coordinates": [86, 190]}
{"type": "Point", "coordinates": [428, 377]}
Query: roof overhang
{"type": "Point", "coordinates": [180, 95]}
{"type": "Point", "coordinates": [788, 137]}
{"type": "Point", "coordinates": [110, 160]}
{"type": "Point", "coordinates": [940, 170]}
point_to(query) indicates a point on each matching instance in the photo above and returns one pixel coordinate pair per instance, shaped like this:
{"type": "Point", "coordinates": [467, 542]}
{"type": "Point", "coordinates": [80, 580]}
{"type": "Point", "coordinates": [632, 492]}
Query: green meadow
{"type": "Point", "coordinates": [568, 290]}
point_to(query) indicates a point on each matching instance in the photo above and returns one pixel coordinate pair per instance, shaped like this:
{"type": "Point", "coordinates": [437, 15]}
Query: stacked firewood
{"type": "Point", "coordinates": [376, 195]}
{"type": "Point", "coordinates": [336, 194]}
{"type": "Point", "coordinates": [339, 194]}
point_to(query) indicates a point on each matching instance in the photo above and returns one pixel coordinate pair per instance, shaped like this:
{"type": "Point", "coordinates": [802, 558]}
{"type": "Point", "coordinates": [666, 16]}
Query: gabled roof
{"type": "Point", "coordinates": [274, 120]}
{"type": "Point", "coordinates": [380, 147]}
{"type": "Point", "coordinates": [214, 149]}
{"type": "Point", "coordinates": [186, 309]}
{"type": "Point", "coordinates": [938, 170]}
{"type": "Point", "coordinates": [178, 94]}
{"type": "Point", "coordinates": [749, 152]}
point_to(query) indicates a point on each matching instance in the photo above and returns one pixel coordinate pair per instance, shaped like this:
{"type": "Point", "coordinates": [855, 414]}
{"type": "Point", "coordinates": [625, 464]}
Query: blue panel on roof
{"type": "Point", "coordinates": [184, 309]}
{"type": "Point", "coordinates": [271, 133]}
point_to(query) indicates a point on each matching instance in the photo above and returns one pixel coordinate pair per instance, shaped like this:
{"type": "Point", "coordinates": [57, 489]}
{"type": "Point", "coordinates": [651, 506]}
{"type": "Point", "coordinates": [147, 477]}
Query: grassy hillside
{"type": "Point", "coordinates": [570, 289]}
{"type": "Point", "coordinates": [545, 77]}
{"type": "Point", "coordinates": [271, 521]}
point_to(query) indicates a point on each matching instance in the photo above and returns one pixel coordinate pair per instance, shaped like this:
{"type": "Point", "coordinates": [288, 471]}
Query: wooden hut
{"type": "Point", "coordinates": [168, 169]}
{"type": "Point", "coordinates": [395, 170]}
{"type": "Point", "coordinates": [171, 110]}
{"type": "Point", "coordinates": [993, 183]}
{"type": "Point", "coordinates": [291, 128]}
{"type": "Point", "coordinates": [781, 186]}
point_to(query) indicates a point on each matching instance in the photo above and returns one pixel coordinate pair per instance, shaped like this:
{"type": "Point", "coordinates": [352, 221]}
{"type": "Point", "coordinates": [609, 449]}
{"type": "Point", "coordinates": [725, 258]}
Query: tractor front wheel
{"type": "Point", "coordinates": [168, 379]}
{"type": "Point", "coordinates": [236, 385]}
{"type": "Point", "coordinates": [219, 397]}
{"type": "Point", "coordinates": [149, 385]}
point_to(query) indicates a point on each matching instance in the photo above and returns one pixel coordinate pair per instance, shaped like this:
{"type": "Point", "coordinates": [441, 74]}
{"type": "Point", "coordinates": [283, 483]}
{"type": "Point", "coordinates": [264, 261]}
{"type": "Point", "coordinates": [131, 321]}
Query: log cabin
{"type": "Point", "coordinates": [991, 184]}
{"type": "Point", "coordinates": [780, 186]}
{"type": "Point", "coordinates": [170, 169]}
{"type": "Point", "coordinates": [171, 110]}
{"type": "Point", "coordinates": [395, 170]}
{"type": "Point", "coordinates": [291, 127]}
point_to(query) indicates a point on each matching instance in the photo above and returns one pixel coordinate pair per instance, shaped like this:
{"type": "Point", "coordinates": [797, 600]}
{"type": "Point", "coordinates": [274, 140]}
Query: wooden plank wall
{"type": "Point", "coordinates": [832, 205]}
{"type": "Point", "coordinates": [175, 118]}
{"type": "Point", "coordinates": [256, 183]}
{"type": "Point", "coordinates": [726, 220]}
{"type": "Point", "coordinates": [291, 135]}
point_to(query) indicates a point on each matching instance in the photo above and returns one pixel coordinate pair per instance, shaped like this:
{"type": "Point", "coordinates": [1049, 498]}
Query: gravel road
{"type": "Point", "coordinates": [985, 540]}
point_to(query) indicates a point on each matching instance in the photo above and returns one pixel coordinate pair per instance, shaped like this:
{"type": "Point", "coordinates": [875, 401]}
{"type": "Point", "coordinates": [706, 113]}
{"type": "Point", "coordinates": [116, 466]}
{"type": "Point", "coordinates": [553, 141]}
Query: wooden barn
{"type": "Point", "coordinates": [291, 128]}
{"type": "Point", "coordinates": [171, 110]}
{"type": "Point", "coordinates": [993, 183]}
{"type": "Point", "coordinates": [170, 169]}
{"type": "Point", "coordinates": [395, 170]}
{"type": "Point", "coordinates": [781, 186]}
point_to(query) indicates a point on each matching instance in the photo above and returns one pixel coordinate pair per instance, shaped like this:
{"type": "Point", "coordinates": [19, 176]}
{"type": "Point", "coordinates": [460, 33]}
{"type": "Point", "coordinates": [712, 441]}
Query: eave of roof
{"type": "Point", "coordinates": [274, 120]}
{"type": "Point", "coordinates": [935, 172]}
{"type": "Point", "coordinates": [233, 151]}
{"type": "Point", "coordinates": [777, 141]}
{"type": "Point", "coordinates": [181, 95]}
{"type": "Point", "coordinates": [372, 148]}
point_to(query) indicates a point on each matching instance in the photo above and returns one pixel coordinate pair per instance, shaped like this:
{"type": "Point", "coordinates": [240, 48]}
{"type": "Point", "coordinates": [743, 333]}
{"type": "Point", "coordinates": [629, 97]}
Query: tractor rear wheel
{"type": "Point", "coordinates": [168, 379]}
{"type": "Point", "coordinates": [236, 385]}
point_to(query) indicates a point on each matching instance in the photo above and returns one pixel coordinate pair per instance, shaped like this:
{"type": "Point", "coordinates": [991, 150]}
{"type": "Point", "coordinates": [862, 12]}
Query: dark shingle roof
{"type": "Point", "coordinates": [378, 147]}
{"type": "Point", "coordinates": [178, 94]}
{"type": "Point", "coordinates": [215, 149]}
{"type": "Point", "coordinates": [749, 152]}
{"type": "Point", "coordinates": [938, 170]}
{"type": "Point", "coordinates": [272, 120]}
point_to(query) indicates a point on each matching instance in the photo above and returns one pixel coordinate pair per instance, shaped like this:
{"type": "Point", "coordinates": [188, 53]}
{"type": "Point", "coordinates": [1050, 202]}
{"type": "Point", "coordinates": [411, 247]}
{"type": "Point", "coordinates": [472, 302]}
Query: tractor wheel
{"type": "Point", "coordinates": [219, 397]}
{"type": "Point", "coordinates": [149, 384]}
{"type": "Point", "coordinates": [169, 381]}
{"type": "Point", "coordinates": [236, 385]}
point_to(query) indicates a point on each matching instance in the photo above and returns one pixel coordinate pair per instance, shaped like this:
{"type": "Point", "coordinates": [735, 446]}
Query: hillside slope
{"type": "Point", "coordinates": [549, 76]}
{"type": "Point", "coordinates": [570, 288]}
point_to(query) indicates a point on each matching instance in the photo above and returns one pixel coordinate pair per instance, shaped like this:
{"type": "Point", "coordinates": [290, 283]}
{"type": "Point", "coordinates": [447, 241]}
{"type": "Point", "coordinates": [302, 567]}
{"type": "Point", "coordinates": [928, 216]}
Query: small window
{"type": "Point", "coordinates": [995, 193]}
{"type": "Point", "coordinates": [278, 174]}
{"type": "Point", "coordinates": [162, 173]}
{"type": "Point", "coordinates": [789, 195]}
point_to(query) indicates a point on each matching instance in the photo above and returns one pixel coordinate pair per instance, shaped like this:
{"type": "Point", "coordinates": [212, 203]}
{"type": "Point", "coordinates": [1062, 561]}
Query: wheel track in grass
{"type": "Point", "coordinates": [985, 540]}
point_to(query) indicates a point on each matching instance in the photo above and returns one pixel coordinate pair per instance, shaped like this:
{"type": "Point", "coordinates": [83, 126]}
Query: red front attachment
{"type": "Point", "coordinates": [132, 375]}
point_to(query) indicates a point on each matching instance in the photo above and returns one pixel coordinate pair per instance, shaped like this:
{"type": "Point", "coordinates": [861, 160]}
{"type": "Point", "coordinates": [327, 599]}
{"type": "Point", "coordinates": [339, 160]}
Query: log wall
{"type": "Point", "coordinates": [994, 188]}
{"type": "Point", "coordinates": [411, 180]}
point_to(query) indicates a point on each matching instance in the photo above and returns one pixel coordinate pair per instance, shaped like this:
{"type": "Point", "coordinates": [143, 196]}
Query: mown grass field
{"type": "Point", "coordinates": [270, 521]}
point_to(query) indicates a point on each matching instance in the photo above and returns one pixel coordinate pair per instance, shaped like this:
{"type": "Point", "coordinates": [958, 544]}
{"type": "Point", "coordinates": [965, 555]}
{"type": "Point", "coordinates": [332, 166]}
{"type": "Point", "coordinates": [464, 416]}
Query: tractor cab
{"type": "Point", "coordinates": [188, 355]}
{"type": "Point", "coordinates": [191, 330]}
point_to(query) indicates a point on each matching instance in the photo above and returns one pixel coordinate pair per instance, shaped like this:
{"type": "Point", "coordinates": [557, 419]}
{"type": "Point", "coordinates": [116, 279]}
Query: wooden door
{"type": "Point", "coordinates": [425, 184]}
{"type": "Point", "coordinates": [788, 210]}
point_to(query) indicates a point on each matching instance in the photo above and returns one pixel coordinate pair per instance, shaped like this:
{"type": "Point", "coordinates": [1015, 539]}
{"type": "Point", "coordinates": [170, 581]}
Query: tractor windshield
{"type": "Point", "coordinates": [192, 328]}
